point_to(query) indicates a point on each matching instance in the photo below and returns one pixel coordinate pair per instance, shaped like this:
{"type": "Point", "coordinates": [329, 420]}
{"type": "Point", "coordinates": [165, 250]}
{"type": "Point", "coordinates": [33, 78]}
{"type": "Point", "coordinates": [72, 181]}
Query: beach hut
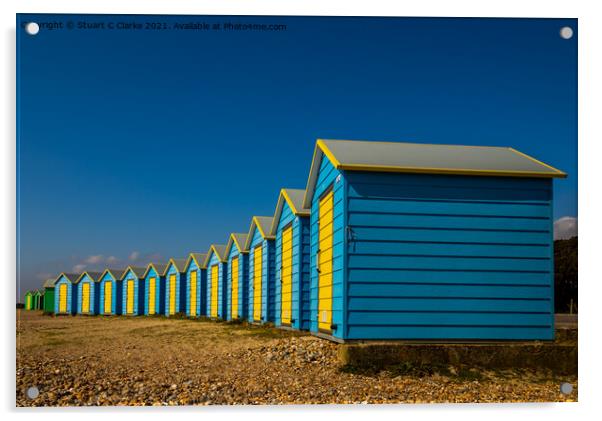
{"type": "Point", "coordinates": [430, 242]}
{"type": "Point", "coordinates": [85, 288]}
{"type": "Point", "coordinates": [237, 257]}
{"type": "Point", "coordinates": [132, 282]}
{"type": "Point", "coordinates": [261, 270]}
{"type": "Point", "coordinates": [216, 265]}
{"type": "Point", "coordinates": [28, 300]}
{"type": "Point", "coordinates": [175, 281]}
{"type": "Point", "coordinates": [64, 300]}
{"type": "Point", "coordinates": [109, 299]}
{"type": "Point", "coordinates": [196, 284]}
{"type": "Point", "coordinates": [35, 299]}
{"type": "Point", "coordinates": [48, 296]}
{"type": "Point", "coordinates": [290, 228]}
{"type": "Point", "coordinates": [154, 289]}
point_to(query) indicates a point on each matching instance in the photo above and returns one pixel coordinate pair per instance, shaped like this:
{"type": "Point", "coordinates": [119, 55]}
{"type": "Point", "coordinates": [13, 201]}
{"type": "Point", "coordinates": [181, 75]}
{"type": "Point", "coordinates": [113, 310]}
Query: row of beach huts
{"type": "Point", "coordinates": [387, 241]}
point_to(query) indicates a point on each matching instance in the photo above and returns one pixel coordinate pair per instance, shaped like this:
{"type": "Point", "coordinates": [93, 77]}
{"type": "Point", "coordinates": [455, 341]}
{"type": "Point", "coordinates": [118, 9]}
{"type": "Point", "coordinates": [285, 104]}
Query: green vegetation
{"type": "Point", "coordinates": [565, 275]}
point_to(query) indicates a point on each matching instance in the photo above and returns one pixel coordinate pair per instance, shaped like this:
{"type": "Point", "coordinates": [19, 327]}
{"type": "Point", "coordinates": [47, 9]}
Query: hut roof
{"type": "Point", "coordinates": [263, 224]}
{"type": "Point", "coordinates": [294, 199]}
{"type": "Point", "coordinates": [219, 250]}
{"type": "Point", "coordinates": [94, 275]}
{"type": "Point", "coordinates": [159, 268]}
{"type": "Point", "coordinates": [199, 258]}
{"type": "Point", "coordinates": [357, 155]}
{"type": "Point", "coordinates": [48, 283]}
{"type": "Point", "coordinates": [180, 265]}
{"type": "Point", "coordinates": [240, 240]}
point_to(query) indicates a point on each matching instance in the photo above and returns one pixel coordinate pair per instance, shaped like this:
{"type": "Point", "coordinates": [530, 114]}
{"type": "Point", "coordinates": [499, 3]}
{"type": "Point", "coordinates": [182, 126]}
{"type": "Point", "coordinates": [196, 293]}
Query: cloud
{"type": "Point", "coordinates": [112, 259]}
{"type": "Point", "coordinates": [44, 275]}
{"type": "Point", "coordinates": [134, 255]}
{"type": "Point", "coordinates": [565, 228]}
{"type": "Point", "coordinates": [78, 268]}
{"type": "Point", "coordinates": [92, 260]}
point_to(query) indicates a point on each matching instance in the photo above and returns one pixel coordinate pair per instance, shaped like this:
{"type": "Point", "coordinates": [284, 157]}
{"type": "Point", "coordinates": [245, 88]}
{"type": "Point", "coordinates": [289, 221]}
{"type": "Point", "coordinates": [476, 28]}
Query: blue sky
{"type": "Point", "coordinates": [147, 144]}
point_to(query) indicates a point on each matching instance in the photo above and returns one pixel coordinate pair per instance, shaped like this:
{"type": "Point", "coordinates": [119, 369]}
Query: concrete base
{"type": "Point", "coordinates": [559, 357]}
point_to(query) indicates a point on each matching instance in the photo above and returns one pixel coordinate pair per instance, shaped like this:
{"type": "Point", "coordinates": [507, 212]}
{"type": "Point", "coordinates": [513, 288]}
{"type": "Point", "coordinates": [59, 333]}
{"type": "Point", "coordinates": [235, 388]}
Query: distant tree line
{"type": "Point", "coordinates": [565, 275]}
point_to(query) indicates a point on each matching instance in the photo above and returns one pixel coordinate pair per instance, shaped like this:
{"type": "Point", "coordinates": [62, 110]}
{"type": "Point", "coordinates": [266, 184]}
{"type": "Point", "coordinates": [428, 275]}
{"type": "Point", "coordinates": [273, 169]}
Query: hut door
{"type": "Point", "coordinates": [324, 259]}
{"type": "Point", "coordinates": [257, 271]}
{"type": "Point", "coordinates": [286, 274]}
{"type": "Point", "coordinates": [28, 302]}
{"type": "Point", "coordinates": [85, 297]}
{"type": "Point", "coordinates": [172, 294]}
{"type": "Point", "coordinates": [192, 293]}
{"type": "Point", "coordinates": [214, 280]}
{"type": "Point", "coordinates": [235, 275]}
{"type": "Point", "coordinates": [152, 295]}
{"type": "Point", "coordinates": [130, 297]}
{"type": "Point", "coordinates": [108, 297]}
{"type": "Point", "coordinates": [63, 298]}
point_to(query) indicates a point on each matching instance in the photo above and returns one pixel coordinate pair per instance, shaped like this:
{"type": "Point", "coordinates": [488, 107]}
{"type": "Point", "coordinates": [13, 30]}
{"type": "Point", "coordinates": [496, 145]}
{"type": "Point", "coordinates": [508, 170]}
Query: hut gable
{"type": "Point", "coordinates": [236, 244]}
{"type": "Point", "coordinates": [289, 201]}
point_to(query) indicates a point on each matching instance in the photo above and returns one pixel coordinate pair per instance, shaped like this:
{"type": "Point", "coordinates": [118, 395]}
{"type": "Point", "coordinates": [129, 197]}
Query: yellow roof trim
{"type": "Point", "coordinates": [462, 171]}
{"type": "Point", "coordinates": [170, 262]}
{"type": "Point", "coordinates": [241, 249]}
{"type": "Point", "coordinates": [212, 249]}
{"type": "Point", "coordinates": [562, 174]}
{"type": "Point", "coordinates": [320, 143]}
{"type": "Point", "coordinates": [292, 205]}
{"type": "Point", "coordinates": [200, 265]}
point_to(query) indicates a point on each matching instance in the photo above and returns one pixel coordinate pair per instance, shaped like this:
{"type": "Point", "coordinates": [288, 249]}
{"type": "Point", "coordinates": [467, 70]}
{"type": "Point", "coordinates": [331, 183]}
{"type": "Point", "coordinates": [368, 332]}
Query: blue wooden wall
{"type": "Point", "coordinates": [267, 277]}
{"type": "Point", "coordinates": [159, 292]}
{"type": "Point", "coordinates": [101, 294]}
{"type": "Point", "coordinates": [448, 257]}
{"type": "Point", "coordinates": [328, 177]}
{"type": "Point", "coordinates": [79, 289]}
{"type": "Point", "coordinates": [243, 287]}
{"type": "Point", "coordinates": [300, 269]}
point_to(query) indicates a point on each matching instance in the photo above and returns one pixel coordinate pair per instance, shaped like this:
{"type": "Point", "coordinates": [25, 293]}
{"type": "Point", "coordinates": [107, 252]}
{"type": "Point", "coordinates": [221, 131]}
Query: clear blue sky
{"type": "Point", "coordinates": [140, 143]}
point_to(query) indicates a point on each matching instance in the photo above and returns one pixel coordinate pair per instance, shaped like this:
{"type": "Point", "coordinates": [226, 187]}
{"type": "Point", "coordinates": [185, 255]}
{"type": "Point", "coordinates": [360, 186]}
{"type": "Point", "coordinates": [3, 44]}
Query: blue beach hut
{"type": "Point", "coordinates": [64, 300]}
{"type": "Point", "coordinates": [290, 228]}
{"type": "Point", "coordinates": [154, 289]}
{"type": "Point", "coordinates": [196, 284]}
{"type": "Point", "coordinates": [109, 299]}
{"type": "Point", "coordinates": [216, 265]}
{"type": "Point", "coordinates": [132, 291]}
{"type": "Point", "coordinates": [261, 270]}
{"type": "Point", "coordinates": [237, 256]}
{"type": "Point", "coordinates": [175, 280]}
{"type": "Point", "coordinates": [85, 287]}
{"type": "Point", "coordinates": [430, 242]}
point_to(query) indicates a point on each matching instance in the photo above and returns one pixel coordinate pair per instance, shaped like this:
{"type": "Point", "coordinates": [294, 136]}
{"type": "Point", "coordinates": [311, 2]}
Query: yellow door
{"type": "Point", "coordinates": [214, 280]}
{"type": "Point", "coordinates": [152, 295]}
{"type": "Point", "coordinates": [129, 295]}
{"type": "Point", "coordinates": [63, 298]}
{"type": "Point", "coordinates": [172, 294]}
{"type": "Point", "coordinates": [234, 272]}
{"type": "Point", "coordinates": [28, 302]}
{"type": "Point", "coordinates": [325, 255]}
{"type": "Point", "coordinates": [257, 270]}
{"type": "Point", "coordinates": [85, 297]}
{"type": "Point", "coordinates": [286, 274]}
{"type": "Point", "coordinates": [192, 292]}
{"type": "Point", "coordinates": [108, 297]}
